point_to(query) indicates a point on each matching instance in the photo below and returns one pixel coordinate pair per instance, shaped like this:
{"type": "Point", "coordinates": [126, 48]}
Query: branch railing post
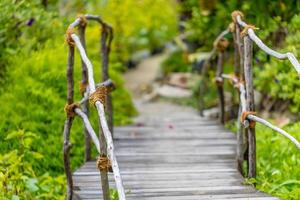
{"type": "Point", "coordinates": [250, 106]}
{"type": "Point", "coordinates": [220, 88]}
{"type": "Point", "coordinates": [68, 124]}
{"type": "Point", "coordinates": [83, 88]}
{"type": "Point", "coordinates": [106, 39]}
{"type": "Point", "coordinates": [241, 148]}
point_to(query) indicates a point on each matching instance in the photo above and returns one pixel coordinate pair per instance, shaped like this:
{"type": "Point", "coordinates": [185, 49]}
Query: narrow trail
{"type": "Point", "coordinates": [170, 153]}
{"type": "Point", "coordinates": [143, 75]}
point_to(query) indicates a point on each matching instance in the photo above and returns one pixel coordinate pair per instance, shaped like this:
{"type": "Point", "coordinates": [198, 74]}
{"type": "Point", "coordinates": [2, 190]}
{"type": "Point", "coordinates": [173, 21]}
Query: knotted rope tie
{"type": "Point", "coordinates": [83, 20]}
{"type": "Point", "coordinates": [219, 81]}
{"type": "Point", "coordinates": [68, 37]}
{"type": "Point", "coordinates": [70, 109]}
{"type": "Point", "coordinates": [236, 13]}
{"type": "Point", "coordinates": [83, 86]}
{"type": "Point", "coordinates": [231, 27]}
{"type": "Point", "coordinates": [244, 117]}
{"type": "Point", "coordinates": [99, 95]}
{"type": "Point", "coordinates": [237, 85]}
{"type": "Point", "coordinates": [232, 79]}
{"type": "Point", "coordinates": [246, 28]}
{"type": "Point", "coordinates": [104, 164]}
{"type": "Point", "coordinates": [222, 44]}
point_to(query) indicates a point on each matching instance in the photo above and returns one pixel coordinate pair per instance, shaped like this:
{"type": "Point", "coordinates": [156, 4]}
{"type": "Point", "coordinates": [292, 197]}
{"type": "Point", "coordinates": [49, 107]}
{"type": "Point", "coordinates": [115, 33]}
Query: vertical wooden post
{"type": "Point", "coordinates": [84, 83]}
{"type": "Point", "coordinates": [219, 82]}
{"type": "Point", "coordinates": [103, 145]}
{"type": "Point", "coordinates": [68, 124]}
{"type": "Point", "coordinates": [239, 71]}
{"type": "Point", "coordinates": [106, 38]}
{"type": "Point", "coordinates": [250, 106]}
{"type": "Point", "coordinates": [203, 87]}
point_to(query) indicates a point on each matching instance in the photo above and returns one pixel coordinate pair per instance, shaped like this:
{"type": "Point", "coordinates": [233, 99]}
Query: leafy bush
{"type": "Point", "coordinates": [278, 163]}
{"type": "Point", "coordinates": [138, 24]}
{"type": "Point", "coordinates": [19, 21]}
{"type": "Point", "coordinates": [279, 79]}
{"type": "Point", "coordinates": [18, 178]}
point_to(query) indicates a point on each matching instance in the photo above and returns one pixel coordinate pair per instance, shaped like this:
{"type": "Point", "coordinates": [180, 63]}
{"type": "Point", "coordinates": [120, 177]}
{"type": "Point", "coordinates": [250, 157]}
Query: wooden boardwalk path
{"type": "Point", "coordinates": [172, 154]}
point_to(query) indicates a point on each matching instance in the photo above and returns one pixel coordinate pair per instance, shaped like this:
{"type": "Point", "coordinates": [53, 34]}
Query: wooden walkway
{"type": "Point", "coordinates": [172, 154]}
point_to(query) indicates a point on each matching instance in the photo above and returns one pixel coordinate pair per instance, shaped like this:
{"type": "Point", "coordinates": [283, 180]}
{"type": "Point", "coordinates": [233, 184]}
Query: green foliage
{"type": "Point", "coordinates": [175, 63]}
{"type": "Point", "coordinates": [18, 178]}
{"type": "Point", "coordinates": [138, 24]}
{"type": "Point", "coordinates": [278, 163]}
{"type": "Point", "coordinates": [268, 15]}
{"type": "Point", "coordinates": [278, 78]}
{"type": "Point", "coordinates": [19, 21]}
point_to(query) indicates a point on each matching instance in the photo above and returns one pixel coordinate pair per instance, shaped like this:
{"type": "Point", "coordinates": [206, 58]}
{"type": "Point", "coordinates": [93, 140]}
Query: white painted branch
{"type": "Point", "coordinates": [282, 56]}
{"type": "Point", "coordinates": [86, 61]}
{"type": "Point", "coordinates": [89, 128]}
{"type": "Point", "coordinates": [100, 109]}
{"type": "Point", "coordinates": [275, 128]}
{"type": "Point", "coordinates": [242, 97]}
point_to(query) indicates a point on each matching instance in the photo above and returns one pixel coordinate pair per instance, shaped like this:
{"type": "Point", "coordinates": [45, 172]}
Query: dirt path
{"type": "Point", "coordinates": [136, 80]}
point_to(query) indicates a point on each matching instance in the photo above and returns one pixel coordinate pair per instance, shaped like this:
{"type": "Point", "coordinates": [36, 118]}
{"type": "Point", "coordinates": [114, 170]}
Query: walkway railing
{"type": "Point", "coordinates": [98, 95]}
{"type": "Point", "coordinates": [242, 80]}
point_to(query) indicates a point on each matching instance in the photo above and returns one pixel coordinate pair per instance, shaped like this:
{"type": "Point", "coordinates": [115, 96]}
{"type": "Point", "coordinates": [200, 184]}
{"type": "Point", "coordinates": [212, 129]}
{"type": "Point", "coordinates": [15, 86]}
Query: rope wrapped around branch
{"type": "Point", "coordinates": [82, 86]}
{"type": "Point", "coordinates": [104, 164]}
{"type": "Point", "coordinates": [68, 37]}
{"type": "Point", "coordinates": [236, 13]}
{"type": "Point", "coordinates": [83, 20]}
{"type": "Point", "coordinates": [219, 81]}
{"type": "Point", "coordinates": [244, 32]}
{"type": "Point", "coordinates": [244, 117]}
{"type": "Point", "coordinates": [221, 44]}
{"type": "Point", "coordinates": [100, 95]}
{"type": "Point", "coordinates": [70, 109]}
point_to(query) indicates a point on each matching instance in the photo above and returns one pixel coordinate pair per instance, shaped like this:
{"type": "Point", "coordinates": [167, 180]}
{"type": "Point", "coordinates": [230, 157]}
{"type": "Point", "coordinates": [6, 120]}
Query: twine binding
{"type": "Point", "coordinates": [244, 117]}
{"type": "Point", "coordinates": [99, 95]}
{"type": "Point", "coordinates": [236, 13]}
{"type": "Point", "coordinates": [70, 109]}
{"type": "Point", "coordinates": [222, 44]}
{"type": "Point", "coordinates": [83, 20]}
{"type": "Point", "coordinates": [246, 28]}
{"type": "Point", "coordinates": [82, 86]}
{"type": "Point", "coordinates": [104, 164]}
{"type": "Point", "coordinates": [68, 37]}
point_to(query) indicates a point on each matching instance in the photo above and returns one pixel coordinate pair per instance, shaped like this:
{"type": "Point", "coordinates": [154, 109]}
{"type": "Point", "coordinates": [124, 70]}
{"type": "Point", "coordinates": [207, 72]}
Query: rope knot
{"type": "Point", "coordinates": [244, 117]}
{"type": "Point", "coordinates": [83, 20]}
{"type": "Point", "coordinates": [219, 81]}
{"type": "Point", "coordinates": [104, 164]}
{"type": "Point", "coordinates": [70, 109]}
{"type": "Point", "coordinates": [222, 44]}
{"type": "Point", "coordinates": [236, 13]}
{"type": "Point", "coordinates": [68, 37]}
{"type": "Point", "coordinates": [246, 28]}
{"type": "Point", "coordinates": [82, 86]}
{"type": "Point", "coordinates": [231, 27]}
{"type": "Point", "coordinates": [238, 84]}
{"type": "Point", "coordinates": [100, 95]}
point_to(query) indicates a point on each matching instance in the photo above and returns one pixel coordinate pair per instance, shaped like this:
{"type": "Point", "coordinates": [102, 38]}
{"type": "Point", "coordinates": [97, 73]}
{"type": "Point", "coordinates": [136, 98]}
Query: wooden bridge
{"type": "Point", "coordinates": [172, 153]}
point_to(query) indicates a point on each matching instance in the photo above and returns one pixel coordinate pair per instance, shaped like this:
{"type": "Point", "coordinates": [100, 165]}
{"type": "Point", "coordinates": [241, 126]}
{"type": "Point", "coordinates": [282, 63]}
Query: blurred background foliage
{"type": "Point", "coordinates": [33, 84]}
